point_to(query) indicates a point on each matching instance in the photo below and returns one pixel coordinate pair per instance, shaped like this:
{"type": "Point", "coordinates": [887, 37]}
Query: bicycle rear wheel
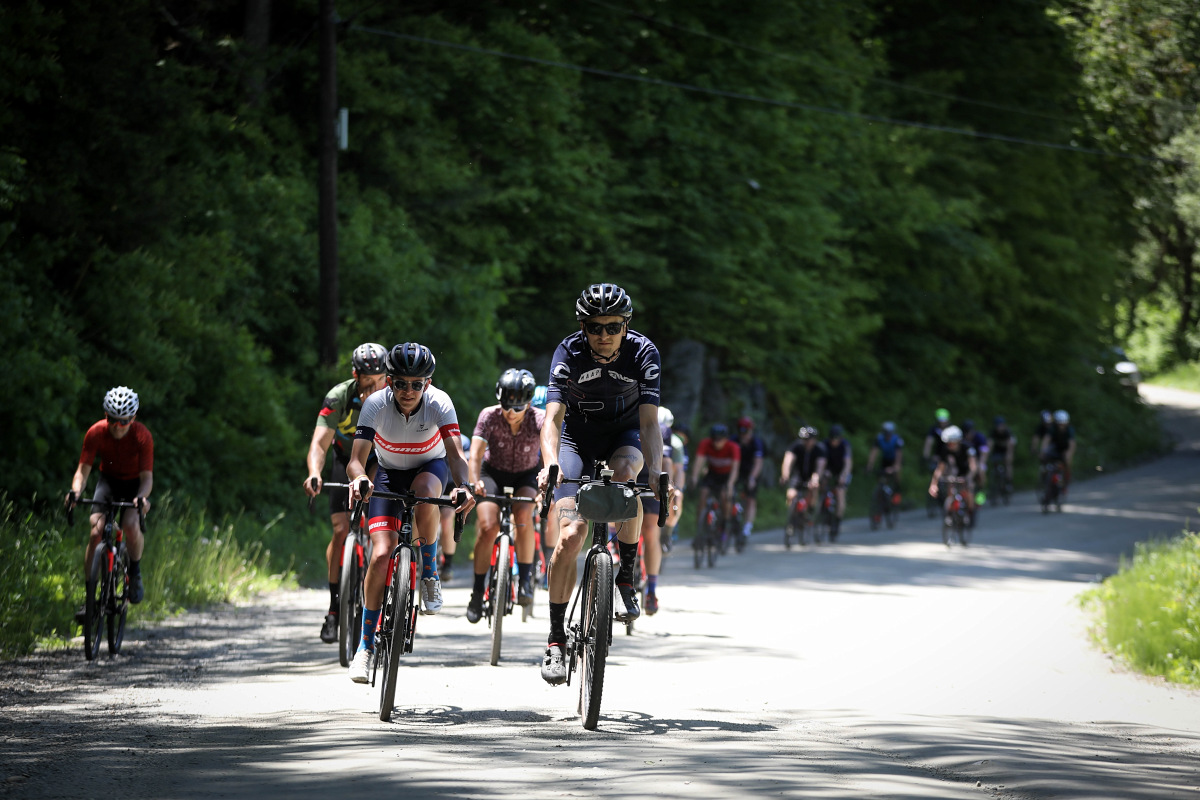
{"type": "Point", "coordinates": [94, 602]}
{"type": "Point", "coordinates": [118, 605]}
{"type": "Point", "coordinates": [349, 601]}
{"type": "Point", "coordinates": [503, 591]}
{"type": "Point", "coordinates": [393, 643]}
{"type": "Point", "coordinates": [964, 530]}
{"type": "Point", "coordinates": [596, 632]}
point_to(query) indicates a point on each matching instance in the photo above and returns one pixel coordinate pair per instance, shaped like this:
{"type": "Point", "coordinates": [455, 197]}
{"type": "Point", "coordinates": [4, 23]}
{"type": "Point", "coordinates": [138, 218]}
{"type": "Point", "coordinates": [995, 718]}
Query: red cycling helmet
{"type": "Point", "coordinates": [745, 424]}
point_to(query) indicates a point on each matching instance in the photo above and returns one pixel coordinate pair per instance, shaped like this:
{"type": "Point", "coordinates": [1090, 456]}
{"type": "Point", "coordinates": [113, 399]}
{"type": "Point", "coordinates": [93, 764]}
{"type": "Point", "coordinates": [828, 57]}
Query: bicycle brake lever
{"type": "Point", "coordinates": [313, 483]}
{"type": "Point", "coordinates": [552, 479]}
{"type": "Point", "coordinates": [663, 482]}
{"type": "Point", "coordinates": [71, 510]}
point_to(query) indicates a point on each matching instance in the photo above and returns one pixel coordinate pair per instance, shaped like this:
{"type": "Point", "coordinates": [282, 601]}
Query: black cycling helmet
{"type": "Point", "coordinates": [719, 431]}
{"type": "Point", "coordinates": [836, 431]}
{"type": "Point", "coordinates": [968, 425]}
{"type": "Point", "coordinates": [603, 300]}
{"type": "Point", "coordinates": [368, 358]}
{"type": "Point", "coordinates": [515, 388]}
{"type": "Point", "coordinates": [410, 360]}
{"type": "Point", "coordinates": [998, 421]}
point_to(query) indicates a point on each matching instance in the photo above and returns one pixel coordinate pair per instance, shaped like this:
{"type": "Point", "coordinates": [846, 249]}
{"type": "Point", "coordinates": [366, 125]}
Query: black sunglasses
{"type": "Point", "coordinates": [401, 385]}
{"type": "Point", "coordinates": [517, 408]}
{"type": "Point", "coordinates": [118, 421]}
{"type": "Point", "coordinates": [596, 328]}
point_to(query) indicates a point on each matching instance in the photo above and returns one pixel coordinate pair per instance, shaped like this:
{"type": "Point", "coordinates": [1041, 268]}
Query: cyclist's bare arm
{"type": "Point", "coordinates": [845, 476]}
{"type": "Point", "coordinates": [652, 443]}
{"type": "Point", "coordinates": [815, 480]}
{"type": "Point", "coordinates": [871, 458]}
{"type": "Point", "coordinates": [475, 466]}
{"type": "Point", "coordinates": [785, 469]}
{"type": "Point", "coordinates": [458, 471]}
{"type": "Point", "coordinates": [899, 459]}
{"type": "Point", "coordinates": [357, 468]}
{"type": "Point", "coordinates": [78, 482]}
{"type": "Point", "coordinates": [551, 439]}
{"type": "Point", "coordinates": [145, 487]}
{"type": "Point", "coordinates": [733, 476]}
{"type": "Point", "coordinates": [321, 439]}
{"type": "Point", "coordinates": [698, 468]}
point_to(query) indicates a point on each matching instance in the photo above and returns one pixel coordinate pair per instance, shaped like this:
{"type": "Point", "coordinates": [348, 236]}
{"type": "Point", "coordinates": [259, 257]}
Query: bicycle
{"type": "Point", "coordinates": [1053, 484]}
{"type": "Point", "coordinates": [355, 555]}
{"type": "Point", "coordinates": [639, 575]}
{"type": "Point", "coordinates": [800, 520]}
{"type": "Point", "coordinates": [706, 544]}
{"type": "Point", "coordinates": [599, 501]}
{"type": "Point", "coordinates": [825, 527]}
{"type": "Point", "coordinates": [736, 526]}
{"type": "Point", "coordinates": [107, 589]}
{"type": "Point", "coordinates": [956, 522]}
{"type": "Point", "coordinates": [500, 594]}
{"type": "Point", "coordinates": [885, 501]}
{"type": "Point", "coordinates": [932, 504]}
{"type": "Point", "coordinates": [398, 616]}
{"type": "Point", "coordinates": [999, 483]}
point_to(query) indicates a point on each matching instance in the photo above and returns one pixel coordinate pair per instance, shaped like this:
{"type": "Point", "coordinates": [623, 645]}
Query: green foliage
{"type": "Point", "coordinates": [1150, 610]}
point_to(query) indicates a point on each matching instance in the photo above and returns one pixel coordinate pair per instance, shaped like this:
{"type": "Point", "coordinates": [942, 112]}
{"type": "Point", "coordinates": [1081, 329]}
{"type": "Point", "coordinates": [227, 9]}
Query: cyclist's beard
{"type": "Point", "coordinates": [600, 358]}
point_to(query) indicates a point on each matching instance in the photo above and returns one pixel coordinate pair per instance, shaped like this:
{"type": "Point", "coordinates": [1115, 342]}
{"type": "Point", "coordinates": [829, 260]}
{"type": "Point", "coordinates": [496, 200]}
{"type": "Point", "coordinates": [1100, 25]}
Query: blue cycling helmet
{"type": "Point", "coordinates": [539, 397]}
{"type": "Point", "coordinates": [719, 431]}
{"type": "Point", "coordinates": [836, 431]}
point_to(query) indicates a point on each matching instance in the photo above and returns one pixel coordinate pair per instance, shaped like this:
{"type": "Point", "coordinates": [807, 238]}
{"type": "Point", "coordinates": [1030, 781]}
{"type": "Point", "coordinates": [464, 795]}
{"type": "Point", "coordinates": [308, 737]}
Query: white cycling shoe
{"type": "Point", "coordinates": [360, 667]}
{"type": "Point", "coordinates": [431, 595]}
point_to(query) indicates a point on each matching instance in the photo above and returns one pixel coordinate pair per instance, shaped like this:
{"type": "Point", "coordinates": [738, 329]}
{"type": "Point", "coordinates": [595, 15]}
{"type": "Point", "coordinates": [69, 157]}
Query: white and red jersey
{"type": "Point", "coordinates": [407, 442]}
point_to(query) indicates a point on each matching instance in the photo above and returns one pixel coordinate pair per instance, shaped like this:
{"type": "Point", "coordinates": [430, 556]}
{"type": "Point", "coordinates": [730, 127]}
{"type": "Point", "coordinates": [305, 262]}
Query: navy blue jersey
{"type": "Point", "coordinates": [836, 456]}
{"type": "Point", "coordinates": [887, 446]}
{"type": "Point", "coordinates": [751, 450]}
{"type": "Point", "coordinates": [605, 395]}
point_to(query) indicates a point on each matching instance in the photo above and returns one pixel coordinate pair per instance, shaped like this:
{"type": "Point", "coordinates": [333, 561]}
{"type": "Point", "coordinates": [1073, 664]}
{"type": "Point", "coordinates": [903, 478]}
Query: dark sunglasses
{"type": "Point", "coordinates": [118, 421]}
{"type": "Point", "coordinates": [518, 409]}
{"type": "Point", "coordinates": [400, 385]}
{"type": "Point", "coordinates": [596, 328]}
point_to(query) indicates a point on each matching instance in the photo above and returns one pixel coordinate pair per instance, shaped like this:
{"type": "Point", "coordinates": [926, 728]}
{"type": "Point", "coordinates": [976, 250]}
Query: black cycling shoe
{"type": "Point", "coordinates": [475, 608]}
{"type": "Point", "coordinates": [525, 593]}
{"type": "Point", "coordinates": [136, 591]}
{"type": "Point", "coordinates": [81, 615]}
{"type": "Point", "coordinates": [329, 629]}
{"type": "Point", "coordinates": [554, 665]}
{"type": "Point", "coordinates": [629, 599]}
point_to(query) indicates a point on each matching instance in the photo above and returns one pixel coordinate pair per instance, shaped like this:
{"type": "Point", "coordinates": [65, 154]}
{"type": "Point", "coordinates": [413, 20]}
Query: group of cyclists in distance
{"type": "Point", "coordinates": [390, 429]}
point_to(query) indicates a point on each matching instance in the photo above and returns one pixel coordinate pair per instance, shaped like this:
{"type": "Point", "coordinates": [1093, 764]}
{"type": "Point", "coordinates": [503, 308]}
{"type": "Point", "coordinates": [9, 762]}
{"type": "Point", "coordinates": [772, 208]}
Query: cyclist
{"type": "Point", "coordinates": [447, 547]}
{"type": "Point", "coordinates": [753, 452]}
{"type": "Point", "coordinates": [1001, 445]}
{"type": "Point", "coordinates": [335, 426]}
{"type": "Point", "coordinates": [718, 459]}
{"type": "Point", "coordinates": [413, 429]}
{"type": "Point", "coordinates": [126, 452]}
{"type": "Point", "coordinates": [889, 447]}
{"type": "Point", "coordinates": [505, 452]}
{"type": "Point", "coordinates": [975, 438]}
{"type": "Point", "coordinates": [838, 461]}
{"type": "Point", "coordinates": [602, 405]}
{"type": "Point", "coordinates": [1059, 445]}
{"type": "Point", "coordinates": [802, 466]}
{"type": "Point", "coordinates": [1045, 424]}
{"type": "Point", "coordinates": [679, 463]}
{"type": "Point", "coordinates": [933, 438]}
{"type": "Point", "coordinates": [957, 459]}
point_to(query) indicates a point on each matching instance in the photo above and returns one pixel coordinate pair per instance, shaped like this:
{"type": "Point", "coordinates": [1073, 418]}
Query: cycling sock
{"type": "Point", "coordinates": [651, 584]}
{"type": "Point", "coordinates": [628, 554]}
{"type": "Point", "coordinates": [429, 561]}
{"type": "Point", "coordinates": [558, 620]}
{"type": "Point", "coordinates": [479, 581]}
{"type": "Point", "coordinates": [370, 622]}
{"type": "Point", "coordinates": [333, 598]}
{"type": "Point", "coordinates": [135, 567]}
{"type": "Point", "coordinates": [525, 571]}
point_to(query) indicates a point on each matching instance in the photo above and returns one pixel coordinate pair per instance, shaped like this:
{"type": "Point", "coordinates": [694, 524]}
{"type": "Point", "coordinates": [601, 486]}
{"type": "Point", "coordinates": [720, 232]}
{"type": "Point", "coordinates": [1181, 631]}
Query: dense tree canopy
{"type": "Point", "coordinates": [158, 207]}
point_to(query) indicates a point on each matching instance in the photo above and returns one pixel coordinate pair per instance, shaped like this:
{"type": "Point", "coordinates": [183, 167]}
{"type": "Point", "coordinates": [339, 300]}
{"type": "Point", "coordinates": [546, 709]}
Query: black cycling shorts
{"type": "Point", "coordinates": [579, 450]}
{"type": "Point", "coordinates": [748, 490]}
{"type": "Point", "coordinates": [714, 481]}
{"type": "Point", "coordinates": [495, 480]}
{"type": "Point", "coordinates": [121, 490]}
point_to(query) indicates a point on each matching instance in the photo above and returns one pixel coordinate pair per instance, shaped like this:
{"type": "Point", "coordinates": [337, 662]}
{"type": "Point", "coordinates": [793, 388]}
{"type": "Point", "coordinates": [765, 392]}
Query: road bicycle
{"type": "Point", "coordinates": [398, 617]}
{"type": "Point", "coordinates": [956, 520]}
{"type": "Point", "coordinates": [599, 501]}
{"type": "Point", "coordinates": [999, 483]}
{"type": "Point", "coordinates": [355, 555]}
{"type": "Point", "coordinates": [735, 526]}
{"type": "Point", "coordinates": [800, 521]}
{"type": "Point", "coordinates": [707, 542]}
{"type": "Point", "coordinates": [1054, 480]}
{"type": "Point", "coordinates": [639, 573]}
{"type": "Point", "coordinates": [107, 588]}
{"type": "Point", "coordinates": [932, 504]}
{"type": "Point", "coordinates": [885, 501]}
{"type": "Point", "coordinates": [500, 592]}
{"type": "Point", "coordinates": [825, 528]}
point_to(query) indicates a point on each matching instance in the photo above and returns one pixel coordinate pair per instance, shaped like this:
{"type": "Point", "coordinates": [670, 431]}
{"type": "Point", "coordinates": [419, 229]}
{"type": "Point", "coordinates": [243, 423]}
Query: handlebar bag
{"type": "Point", "coordinates": [611, 502]}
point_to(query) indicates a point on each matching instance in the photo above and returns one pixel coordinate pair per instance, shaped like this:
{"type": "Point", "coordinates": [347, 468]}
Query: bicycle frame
{"type": "Point", "coordinates": [110, 598]}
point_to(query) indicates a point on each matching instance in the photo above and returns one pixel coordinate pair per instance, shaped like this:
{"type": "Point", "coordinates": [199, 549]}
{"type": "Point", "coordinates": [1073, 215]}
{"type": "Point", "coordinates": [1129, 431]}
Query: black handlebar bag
{"type": "Point", "coordinates": [611, 502]}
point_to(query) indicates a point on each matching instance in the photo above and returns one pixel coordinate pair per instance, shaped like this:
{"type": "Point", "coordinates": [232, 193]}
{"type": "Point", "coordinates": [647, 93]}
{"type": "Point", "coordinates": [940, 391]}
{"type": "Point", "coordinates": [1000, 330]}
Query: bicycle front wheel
{"type": "Point", "coordinates": [401, 592]}
{"type": "Point", "coordinates": [503, 591]}
{"type": "Point", "coordinates": [349, 601]}
{"type": "Point", "coordinates": [118, 605]}
{"type": "Point", "coordinates": [596, 628]}
{"type": "Point", "coordinates": [94, 602]}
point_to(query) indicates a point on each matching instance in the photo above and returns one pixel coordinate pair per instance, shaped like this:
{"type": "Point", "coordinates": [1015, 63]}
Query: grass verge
{"type": "Point", "coordinates": [189, 561]}
{"type": "Point", "coordinates": [1148, 614]}
{"type": "Point", "coordinates": [1184, 376]}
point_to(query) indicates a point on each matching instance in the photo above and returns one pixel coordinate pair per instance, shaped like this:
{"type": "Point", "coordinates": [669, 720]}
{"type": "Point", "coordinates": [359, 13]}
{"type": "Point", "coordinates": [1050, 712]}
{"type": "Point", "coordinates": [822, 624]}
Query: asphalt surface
{"type": "Point", "coordinates": [883, 666]}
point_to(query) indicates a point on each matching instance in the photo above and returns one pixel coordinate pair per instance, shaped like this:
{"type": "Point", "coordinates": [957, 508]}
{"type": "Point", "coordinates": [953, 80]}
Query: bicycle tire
{"type": "Point", "coordinates": [94, 603]}
{"type": "Point", "coordinates": [503, 591]}
{"type": "Point", "coordinates": [348, 593]}
{"type": "Point", "coordinates": [964, 531]}
{"type": "Point", "coordinates": [119, 600]}
{"type": "Point", "coordinates": [401, 591]}
{"type": "Point", "coordinates": [698, 548]}
{"type": "Point", "coordinates": [947, 530]}
{"type": "Point", "coordinates": [596, 626]}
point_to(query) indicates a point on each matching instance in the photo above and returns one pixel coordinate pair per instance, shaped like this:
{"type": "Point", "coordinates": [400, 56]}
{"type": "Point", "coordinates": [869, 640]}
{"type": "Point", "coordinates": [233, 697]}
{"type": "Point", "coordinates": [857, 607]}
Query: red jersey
{"type": "Point", "coordinates": [120, 459]}
{"type": "Point", "coordinates": [720, 460]}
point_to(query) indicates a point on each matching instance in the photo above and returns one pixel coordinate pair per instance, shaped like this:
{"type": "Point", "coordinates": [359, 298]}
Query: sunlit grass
{"type": "Point", "coordinates": [1149, 612]}
{"type": "Point", "coordinates": [1184, 376]}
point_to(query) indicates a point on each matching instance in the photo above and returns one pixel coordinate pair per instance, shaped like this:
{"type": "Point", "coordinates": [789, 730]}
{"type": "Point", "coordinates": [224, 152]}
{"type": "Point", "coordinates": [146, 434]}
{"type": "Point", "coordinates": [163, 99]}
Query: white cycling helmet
{"type": "Point", "coordinates": [121, 402]}
{"type": "Point", "coordinates": [952, 434]}
{"type": "Point", "coordinates": [1062, 417]}
{"type": "Point", "coordinates": [665, 417]}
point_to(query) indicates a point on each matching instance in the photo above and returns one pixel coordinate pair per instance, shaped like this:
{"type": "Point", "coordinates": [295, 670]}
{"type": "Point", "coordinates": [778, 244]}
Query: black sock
{"type": "Point", "coordinates": [628, 556]}
{"type": "Point", "coordinates": [333, 598]}
{"type": "Point", "coordinates": [558, 620]}
{"type": "Point", "coordinates": [478, 587]}
{"type": "Point", "coordinates": [447, 560]}
{"type": "Point", "coordinates": [135, 567]}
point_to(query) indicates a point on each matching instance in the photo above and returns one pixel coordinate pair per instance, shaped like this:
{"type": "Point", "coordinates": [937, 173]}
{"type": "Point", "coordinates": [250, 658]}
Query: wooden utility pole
{"type": "Point", "coordinates": [327, 188]}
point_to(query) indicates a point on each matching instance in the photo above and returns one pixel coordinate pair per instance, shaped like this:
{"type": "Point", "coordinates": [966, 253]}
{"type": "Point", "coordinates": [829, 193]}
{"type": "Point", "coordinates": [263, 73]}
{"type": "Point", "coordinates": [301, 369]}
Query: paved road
{"type": "Point", "coordinates": [886, 666]}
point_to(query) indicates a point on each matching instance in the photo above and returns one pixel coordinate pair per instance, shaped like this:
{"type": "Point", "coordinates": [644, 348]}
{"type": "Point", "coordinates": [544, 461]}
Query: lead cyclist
{"type": "Point", "coordinates": [602, 404]}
